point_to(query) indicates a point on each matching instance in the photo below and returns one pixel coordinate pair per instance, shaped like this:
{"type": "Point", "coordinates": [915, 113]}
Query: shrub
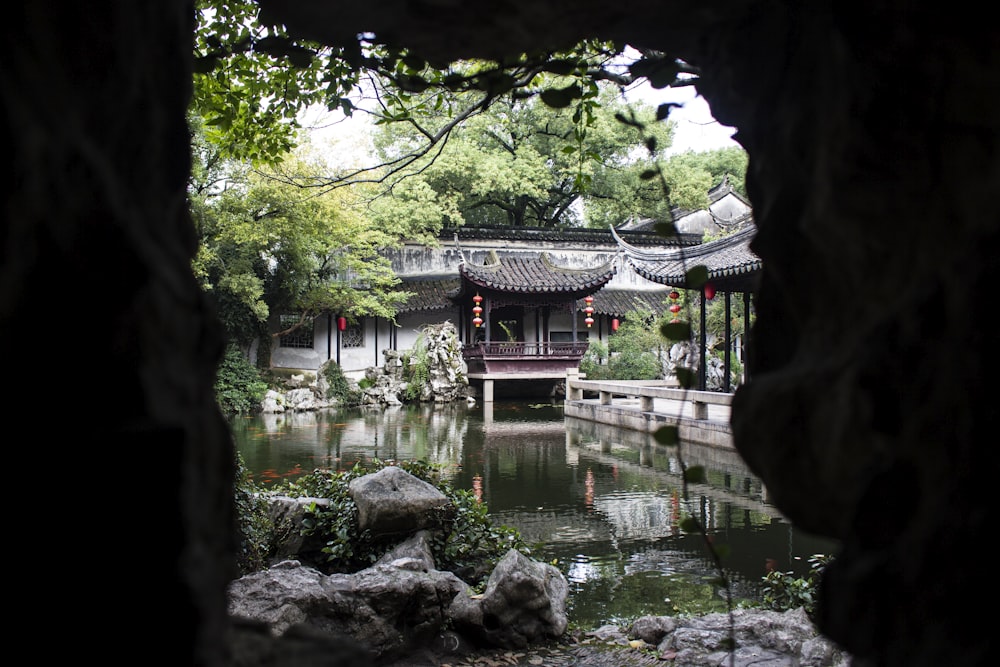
{"type": "Point", "coordinates": [253, 526]}
{"type": "Point", "coordinates": [782, 591]}
{"type": "Point", "coordinates": [340, 386]}
{"type": "Point", "coordinates": [466, 541]}
{"type": "Point", "coordinates": [594, 362]}
{"type": "Point", "coordinates": [239, 388]}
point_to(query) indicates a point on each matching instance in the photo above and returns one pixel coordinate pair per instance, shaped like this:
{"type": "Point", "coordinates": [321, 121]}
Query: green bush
{"type": "Point", "coordinates": [253, 526]}
{"type": "Point", "coordinates": [465, 541]}
{"type": "Point", "coordinates": [594, 363]}
{"type": "Point", "coordinates": [783, 591]}
{"type": "Point", "coordinates": [340, 386]}
{"type": "Point", "coordinates": [239, 387]}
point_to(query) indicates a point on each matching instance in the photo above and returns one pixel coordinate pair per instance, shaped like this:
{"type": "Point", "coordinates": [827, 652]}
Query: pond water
{"type": "Point", "coordinates": [603, 504]}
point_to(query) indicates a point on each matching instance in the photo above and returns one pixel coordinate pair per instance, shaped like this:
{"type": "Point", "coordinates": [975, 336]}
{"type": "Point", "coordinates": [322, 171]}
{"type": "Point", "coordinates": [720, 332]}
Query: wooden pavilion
{"type": "Point", "coordinates": [732, 268]}
{"type": "Point", "coordinates": [508, 305]}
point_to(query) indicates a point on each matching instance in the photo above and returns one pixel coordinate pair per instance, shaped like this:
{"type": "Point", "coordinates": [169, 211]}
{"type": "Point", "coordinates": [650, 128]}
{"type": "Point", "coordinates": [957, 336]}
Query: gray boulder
{"type": "Point", "coordinates": [392, 501]}
{"type": "Point", "coordinates": [759, 635]}
{"type": "Point", "coordinates": [524, 602]}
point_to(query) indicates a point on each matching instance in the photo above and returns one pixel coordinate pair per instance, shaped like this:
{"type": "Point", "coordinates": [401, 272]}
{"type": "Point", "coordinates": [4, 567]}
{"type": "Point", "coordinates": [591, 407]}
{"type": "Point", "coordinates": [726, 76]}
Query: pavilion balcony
{"type": "Point", "coordinates": [523, 357]}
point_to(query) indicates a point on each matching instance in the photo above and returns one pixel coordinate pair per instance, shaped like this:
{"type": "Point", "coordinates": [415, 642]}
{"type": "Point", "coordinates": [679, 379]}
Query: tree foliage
{"type": "Point", "coordinates": [269, 248]}
{"type": "Point", "coordinates": [524, 163]}
{"type": "Point", "coordinates": [252, 81]}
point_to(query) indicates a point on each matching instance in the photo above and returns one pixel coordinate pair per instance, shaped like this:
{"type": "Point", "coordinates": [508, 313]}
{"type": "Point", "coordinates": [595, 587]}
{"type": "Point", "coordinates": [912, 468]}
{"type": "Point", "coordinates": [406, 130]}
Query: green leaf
{"type": "Point", "coordinates": [663, 110]}
{"type": "Point", "coordinates": [685, 377]}
{"type": "Point", "coordinates": [205, 65]}
{"type": "Point", "coordinates": [415, 63]}
{"type": "Point", "coordinates": [559, 98]}
{"type": "Point", "coordinates": [676, 331]}
{"type": "Point", "coordinates": [649, 174]}
{"type": "Point", "coordinates": [697, 276]}
{"type": "Point", "coordinates": [561, 67]}
{"type": "Point", "coordinates": [667, 435]}
{"type": "Point", "coordinates": [660, 72]}
{"type": "Point", "coordinates": [695, 474]}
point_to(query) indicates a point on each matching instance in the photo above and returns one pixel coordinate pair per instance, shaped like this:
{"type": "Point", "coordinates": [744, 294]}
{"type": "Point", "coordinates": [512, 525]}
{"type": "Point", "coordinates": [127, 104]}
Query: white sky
{"type": "Point", "coordinates": [696, 128]}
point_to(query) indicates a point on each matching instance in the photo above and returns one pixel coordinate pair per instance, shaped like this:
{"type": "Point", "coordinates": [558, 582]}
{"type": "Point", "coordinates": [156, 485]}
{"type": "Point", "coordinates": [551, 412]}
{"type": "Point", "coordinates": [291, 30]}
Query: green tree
{"type": "Point", "coordinates": [524, 163]}
{"type": "Point", "coordinates": [691, 174]}
{"type": "Point", "coordinates": [636, 350]}
{"type": "Point", "coordinates": [269, 248]}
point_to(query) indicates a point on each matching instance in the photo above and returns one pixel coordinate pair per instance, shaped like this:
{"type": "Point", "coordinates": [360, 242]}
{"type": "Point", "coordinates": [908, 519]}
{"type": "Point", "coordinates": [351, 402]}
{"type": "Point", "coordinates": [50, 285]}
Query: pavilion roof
{"type": "Point", "coordinates": [436, 292]}
{"type": "Point", "coordinates": [732, 265]}
{"type": "Point", "coordinates": [524, 274]}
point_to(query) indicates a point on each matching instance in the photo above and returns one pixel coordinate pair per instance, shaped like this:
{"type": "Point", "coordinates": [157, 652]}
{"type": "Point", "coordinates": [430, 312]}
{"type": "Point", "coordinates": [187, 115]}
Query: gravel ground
{"type": "Point", "coordinates": [575, 650]}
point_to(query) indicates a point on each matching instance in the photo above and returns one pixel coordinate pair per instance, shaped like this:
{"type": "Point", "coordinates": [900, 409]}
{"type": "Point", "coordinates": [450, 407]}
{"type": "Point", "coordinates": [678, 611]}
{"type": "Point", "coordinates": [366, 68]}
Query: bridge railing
{"type": "Point", "coordinates": [645, 391]}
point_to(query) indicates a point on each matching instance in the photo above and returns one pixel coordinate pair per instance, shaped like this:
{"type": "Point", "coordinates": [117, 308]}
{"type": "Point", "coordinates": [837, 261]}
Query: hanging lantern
{"type": "Point", "coordinates": [589, 310]}
{"type": "Point", "coordinates": [477, 311]}
{"type": "Point", "coordinates": [614, 324]}
{"type": "Point", "coordinates": [589, 321]}
{"type": "Point", "coordinates": [341, 323]}
{"type": "Point", "coordinates": [709, 291]}
{"type": "Point", "coordinates": [675, 307]}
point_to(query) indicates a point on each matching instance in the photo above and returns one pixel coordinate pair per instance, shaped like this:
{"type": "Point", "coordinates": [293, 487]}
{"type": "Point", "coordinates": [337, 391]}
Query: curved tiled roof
{"type": "Point", "coordinates": [429, 292]}
{"type": "Point", "coordinates": [521, 274]}
{"type": "Point", "coordinates": [569, 235]}
{"type": "Point", "coordinates": [620, 302]}
{"type": "Point", "coordinates": [732, 265]}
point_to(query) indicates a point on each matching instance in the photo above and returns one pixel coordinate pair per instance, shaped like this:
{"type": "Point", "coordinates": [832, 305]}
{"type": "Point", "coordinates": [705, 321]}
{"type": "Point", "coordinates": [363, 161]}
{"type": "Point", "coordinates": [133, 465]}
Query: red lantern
{"type": "Point", "coordinates": [614, 324]}
{"type": "Point", "coordinates": [589, 310]}
{"type": "Point", "coordinates": [709, 291]}
{"type": "Point", "coordinates": [674, 295]}
{"type": "Point", "coordinates": [341, 324]}
{"type": "Point", "coordinates": [675, 308]}
{"type": "Point", "coordinates": [477, 310]}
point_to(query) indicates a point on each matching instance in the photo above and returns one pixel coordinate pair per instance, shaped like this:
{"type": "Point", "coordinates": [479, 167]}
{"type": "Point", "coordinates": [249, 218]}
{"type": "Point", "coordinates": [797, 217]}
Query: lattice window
{"type": "Point", "coordinates": [301, 337]}
{"type": "Point", "coordinates": [353, 335]}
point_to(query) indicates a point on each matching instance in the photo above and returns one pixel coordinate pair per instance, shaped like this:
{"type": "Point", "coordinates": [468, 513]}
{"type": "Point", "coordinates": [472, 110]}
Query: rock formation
{"type": "Point", "coordinates": [402, 602]}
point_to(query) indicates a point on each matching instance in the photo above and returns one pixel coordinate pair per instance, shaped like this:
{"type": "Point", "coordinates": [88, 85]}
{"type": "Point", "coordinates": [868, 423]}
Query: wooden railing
{"type": "Point", "coordinates": [508, 350]}
{"type": "Point", "coordinates": [645, 392]}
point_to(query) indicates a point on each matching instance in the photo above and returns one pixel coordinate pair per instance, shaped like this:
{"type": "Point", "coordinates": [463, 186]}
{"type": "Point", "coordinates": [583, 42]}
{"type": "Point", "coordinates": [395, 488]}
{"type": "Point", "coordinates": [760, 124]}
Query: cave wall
{"type": "Point", "coordinates": [872, 130]}
{"type": "Point", "coordinates": [120, 463]}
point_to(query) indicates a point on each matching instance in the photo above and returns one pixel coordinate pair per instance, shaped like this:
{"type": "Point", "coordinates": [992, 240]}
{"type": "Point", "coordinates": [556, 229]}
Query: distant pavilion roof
{"type": "Point", "coordinates": [732, 265]}
{"type": "Point", "coordinates": [429, 292]}
{"type": "Point", "coordinates": [570, 236]}
{"type": "Point", "coordinates": [535, 275]}
{"type": "Point", "coordinates": [620, 302]}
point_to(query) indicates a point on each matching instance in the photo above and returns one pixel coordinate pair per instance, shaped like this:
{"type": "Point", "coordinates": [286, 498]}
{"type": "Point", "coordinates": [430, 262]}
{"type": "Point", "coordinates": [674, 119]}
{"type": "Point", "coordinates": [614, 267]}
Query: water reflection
{"type": "Point", "coordinates": [605, 504]}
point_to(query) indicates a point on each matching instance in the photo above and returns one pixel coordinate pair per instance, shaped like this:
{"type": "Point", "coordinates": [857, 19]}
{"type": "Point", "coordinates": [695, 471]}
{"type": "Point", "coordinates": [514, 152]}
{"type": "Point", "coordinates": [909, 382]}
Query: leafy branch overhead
{"type": "Point", "coordinates": [252, 80]}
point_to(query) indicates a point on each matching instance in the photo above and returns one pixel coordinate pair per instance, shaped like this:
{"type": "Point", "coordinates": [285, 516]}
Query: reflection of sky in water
{"type": "Point", "coordinates": [582, 570]}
